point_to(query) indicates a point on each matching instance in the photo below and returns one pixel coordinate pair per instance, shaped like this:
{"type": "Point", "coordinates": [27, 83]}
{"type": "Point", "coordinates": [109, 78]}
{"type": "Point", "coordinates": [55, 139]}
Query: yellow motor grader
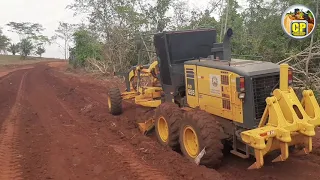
{"type": "Point", "coordinates": [204, 100]}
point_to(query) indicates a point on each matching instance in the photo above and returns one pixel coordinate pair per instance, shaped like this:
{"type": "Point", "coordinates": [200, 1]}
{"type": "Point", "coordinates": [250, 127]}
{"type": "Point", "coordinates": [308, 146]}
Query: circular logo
{"type": "Point", "coordinates": [298, 21]}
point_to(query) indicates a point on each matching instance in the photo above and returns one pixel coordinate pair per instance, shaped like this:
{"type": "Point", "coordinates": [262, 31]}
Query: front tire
{"type": "Point", "coordinates": [168, 118]}
{"type": "Point", "coordinates": [200, 130]}
{"type": "Point", "coordinates": [115, 101]}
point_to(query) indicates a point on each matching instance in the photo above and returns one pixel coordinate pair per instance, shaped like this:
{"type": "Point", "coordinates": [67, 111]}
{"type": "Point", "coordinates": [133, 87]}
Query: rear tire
{"type": "Point", "coordinates": [115, 101]}
{"type": "Point", "coordinates": [168, 117]}
{"type": "Point", "coordinates": [200, 130]}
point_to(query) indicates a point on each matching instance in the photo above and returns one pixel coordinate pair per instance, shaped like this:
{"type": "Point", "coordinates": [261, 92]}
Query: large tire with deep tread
{"type": "Point", "coordinates": [115, 101]}
{"type": "Point", "coordinates": [208, 134]}
{"type": "Point", "coordinates": [173, 116]}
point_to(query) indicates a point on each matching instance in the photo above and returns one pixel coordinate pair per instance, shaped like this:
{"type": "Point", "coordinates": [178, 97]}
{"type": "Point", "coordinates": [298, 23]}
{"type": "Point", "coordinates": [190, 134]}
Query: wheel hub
{"type": "Point", "coordinates": [190, 141]}
{"type": "Point", "coordinates": [163, 129]}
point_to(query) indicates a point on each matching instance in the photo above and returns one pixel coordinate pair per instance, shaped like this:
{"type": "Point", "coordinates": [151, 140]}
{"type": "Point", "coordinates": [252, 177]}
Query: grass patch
{"type": "Point", "coordinates": [12, 60]}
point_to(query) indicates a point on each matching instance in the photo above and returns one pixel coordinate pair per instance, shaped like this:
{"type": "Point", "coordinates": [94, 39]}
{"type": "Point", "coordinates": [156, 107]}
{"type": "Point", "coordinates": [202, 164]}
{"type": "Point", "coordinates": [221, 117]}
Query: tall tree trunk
{"type": "Point", "coordinates": [221, 30]}
{"type": "Point", "coordinates": [65, 49]}
{"type": "Point", "coordinates": [226, 21]}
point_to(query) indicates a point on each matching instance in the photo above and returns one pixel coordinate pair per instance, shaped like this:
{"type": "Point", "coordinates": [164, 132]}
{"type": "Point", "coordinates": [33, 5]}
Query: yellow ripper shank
{"type": "Point", "coordinates": [285, 122]}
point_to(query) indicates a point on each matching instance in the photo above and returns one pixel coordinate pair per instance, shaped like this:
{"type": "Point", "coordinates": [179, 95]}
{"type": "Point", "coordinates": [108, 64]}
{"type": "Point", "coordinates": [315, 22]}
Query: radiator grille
{"type": "Point", "coordinates": [262, 88]}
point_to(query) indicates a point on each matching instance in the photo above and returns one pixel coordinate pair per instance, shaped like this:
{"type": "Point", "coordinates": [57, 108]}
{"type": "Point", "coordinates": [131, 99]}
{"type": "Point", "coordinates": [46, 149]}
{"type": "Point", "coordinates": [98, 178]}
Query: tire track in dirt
{"type": "Point", "coordinates": [58, 159]}
{"type": "Point", "coordinates": [9, 156]}
{"type": "Point", "coordinates": [75, 149]}
{"type": "Point", "coordinates": [140, 169]}
{"type": "Point", "coordinates": [7, 74]}
{"type": "Point", "coordinates": [232, 168]}
{"type": "Point", "coordinates": [136, 151]}
{"type": "Point", "coordinates": [100, 97]}
{"type": "Point", "coordinates": [144, 171]}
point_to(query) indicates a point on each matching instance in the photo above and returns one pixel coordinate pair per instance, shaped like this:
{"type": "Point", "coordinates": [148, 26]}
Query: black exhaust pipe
{"type": "Point", "coordinates": [222, 51]}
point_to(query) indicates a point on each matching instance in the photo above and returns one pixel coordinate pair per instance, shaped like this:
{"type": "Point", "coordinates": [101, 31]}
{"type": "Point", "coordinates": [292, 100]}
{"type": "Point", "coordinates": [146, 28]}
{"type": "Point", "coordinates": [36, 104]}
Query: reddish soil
{"type": "Point", "coordinates": [56, 125]}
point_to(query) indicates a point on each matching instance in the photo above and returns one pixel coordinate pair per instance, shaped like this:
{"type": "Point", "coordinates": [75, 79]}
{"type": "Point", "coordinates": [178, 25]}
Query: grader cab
{"type": "Point", "coordinates": [204, 100]}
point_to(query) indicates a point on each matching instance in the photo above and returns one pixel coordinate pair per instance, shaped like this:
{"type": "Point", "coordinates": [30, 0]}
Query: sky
{"type": "Point", "coordinates": [48, 13]}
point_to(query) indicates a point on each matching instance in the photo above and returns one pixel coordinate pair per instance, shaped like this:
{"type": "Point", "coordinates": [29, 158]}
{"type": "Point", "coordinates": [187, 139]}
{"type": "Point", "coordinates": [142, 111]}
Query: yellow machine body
{"type": "Point", "coordinates": [145, 77]}
{"type": "Point", "coordinates": [285, 121]}
{"type": "Point", "coordinates": [144, 86]}
{"type": "Point", "coordinates": [218, 98]}
{"type": "Point", "coordinates": [145, 91]}
{"type": "Point", "coordinates": [201, 97]}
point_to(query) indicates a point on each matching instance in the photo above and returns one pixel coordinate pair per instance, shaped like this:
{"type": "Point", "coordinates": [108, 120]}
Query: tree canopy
{"type": "Point", "coordinates": [26, 29]}
{"type": "Point", "coordinates": [4, 42]}
{"type": "Point", "coordinates": [118, 34]}
{"type": "Point", "coordinates": [64, 32]}
{"type": "Point", "coordinates": [257, 29]}
{"type": "Point", "coordinates": [31, 37]}
{"type": "Point", "coordinates": [14, 48]}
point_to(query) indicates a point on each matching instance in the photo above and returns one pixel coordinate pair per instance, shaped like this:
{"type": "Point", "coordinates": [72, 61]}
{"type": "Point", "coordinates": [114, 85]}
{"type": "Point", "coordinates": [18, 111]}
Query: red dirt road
{"type": "Point", "coordinates": [56, 125]}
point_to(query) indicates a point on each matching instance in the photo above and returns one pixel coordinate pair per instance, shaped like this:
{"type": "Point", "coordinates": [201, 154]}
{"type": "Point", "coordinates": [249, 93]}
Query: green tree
{"type": "Point", "coordinates": [4, 42]}
{"type": "Point", "coordinates": [26, 29]}
{"type": "Point", "coordinates": [258, 32]}
{"type": "Point", "coordinates": [40, 40]}
{"type": "Point", "coordinates": [122, 27]}
{"type": "Point", "coordinates": [40, 50]}
{"type": "Point", "coordinates": [158, 16]}
{"type": "Point", "coordinates": [26, 47]}
{"type": "Point", "coordinates": [13, 48]}
{"type": "Point", "coordinates": [30, 35]}
{"type": "Point", "coordinates": [234, 20]}
{"type": "Point", "coordinates": [86, 46]}
{"type": "Point", "coordinates": [180, 17]}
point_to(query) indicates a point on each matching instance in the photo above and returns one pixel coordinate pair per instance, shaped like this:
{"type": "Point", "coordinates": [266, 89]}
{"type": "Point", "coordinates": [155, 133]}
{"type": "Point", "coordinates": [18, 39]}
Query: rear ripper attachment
{"type": "Point", "coordinates": [285, 122]}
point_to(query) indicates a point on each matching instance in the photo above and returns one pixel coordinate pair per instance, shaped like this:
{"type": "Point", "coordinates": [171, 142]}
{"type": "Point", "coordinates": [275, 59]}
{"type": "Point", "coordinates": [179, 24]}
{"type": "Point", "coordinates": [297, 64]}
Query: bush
{"type": "Point", "coordinates": [86, 46]}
